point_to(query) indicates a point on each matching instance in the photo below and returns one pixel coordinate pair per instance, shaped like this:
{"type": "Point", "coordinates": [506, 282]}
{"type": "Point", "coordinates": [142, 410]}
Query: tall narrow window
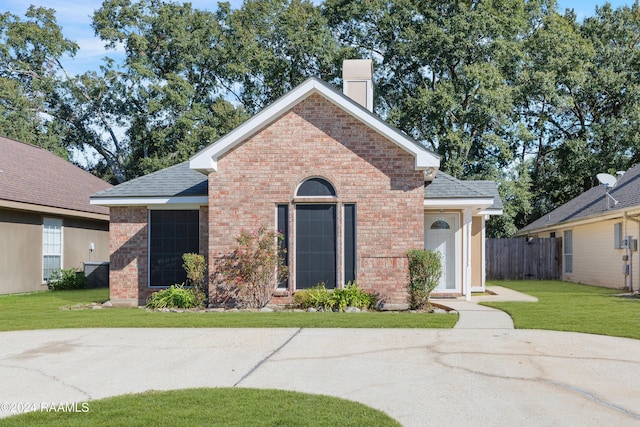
{"type": "Point", "coordinates": [617, 236]}
{"type": "Point", "coordinates": [283, 228]}
{"type": "Point", "coordinates": [568, 251]}
{"type": "Point", "coordinates": [349, 243]}
{"type": "Point", "coordinates": [315, 245]}
{"type": "Point", "coordinates": [173, 233]}
{"type": "Point", "coordinates": [51, 246]}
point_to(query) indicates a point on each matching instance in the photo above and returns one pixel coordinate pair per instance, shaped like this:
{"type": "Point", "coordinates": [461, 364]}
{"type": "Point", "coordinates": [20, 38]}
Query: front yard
{"type": "Point", "coordinates": [43, 311]}
{"type": "Point", "coordinates": [572, 307]}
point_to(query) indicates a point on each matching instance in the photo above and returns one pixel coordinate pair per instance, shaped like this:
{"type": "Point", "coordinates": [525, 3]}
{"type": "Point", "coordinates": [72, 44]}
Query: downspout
{"type": "Point", "coordinates": [637, 221]}
{"type": "Point", "coordinates": [467, 273]}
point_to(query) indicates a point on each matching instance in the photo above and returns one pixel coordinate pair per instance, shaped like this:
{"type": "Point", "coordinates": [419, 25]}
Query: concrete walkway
{"type": "Point", "coordinates": [475, 316]}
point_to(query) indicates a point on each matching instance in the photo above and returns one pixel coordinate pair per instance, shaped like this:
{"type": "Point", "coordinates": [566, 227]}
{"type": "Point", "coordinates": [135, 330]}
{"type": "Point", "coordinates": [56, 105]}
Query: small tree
{"type": "Point", "coordinates": [195, 266]}
{"type": "Point", "coordinates": [425, 270]}
{"type": "Point", "coordinates": [252, 271]}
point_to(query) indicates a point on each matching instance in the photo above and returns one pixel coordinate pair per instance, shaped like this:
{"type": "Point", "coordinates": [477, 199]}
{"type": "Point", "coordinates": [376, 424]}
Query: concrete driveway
{"type": "Point", "coordinates": [457, 377]}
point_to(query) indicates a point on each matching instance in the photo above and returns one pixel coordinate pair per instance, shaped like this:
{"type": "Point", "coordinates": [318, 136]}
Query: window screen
{"type": "Point", "coordinates": [349, 243]}
{"type": "Point", "coordinates": [173, 233]}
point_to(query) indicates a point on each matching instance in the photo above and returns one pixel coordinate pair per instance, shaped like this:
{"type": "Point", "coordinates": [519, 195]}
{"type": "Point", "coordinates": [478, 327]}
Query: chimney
{"type": "Point", "coordinates": [357, 81]}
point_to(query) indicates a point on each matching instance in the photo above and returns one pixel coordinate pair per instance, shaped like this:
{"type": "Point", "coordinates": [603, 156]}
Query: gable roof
{"type": "Point", "coordinates": [35, 179]}
{"type": "Point", "coordinates": [206, 160]}
{"type": "Point", "coordinates": [445, 191]}
{"type": "Point", "coordinates": [593, 203]}
{"type": "Point", "coordinates": [175, 184]}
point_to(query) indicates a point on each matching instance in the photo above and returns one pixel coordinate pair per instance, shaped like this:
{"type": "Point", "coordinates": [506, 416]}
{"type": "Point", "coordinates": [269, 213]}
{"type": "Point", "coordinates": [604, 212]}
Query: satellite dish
{"type": "Point", "coordinates": [607, 180]}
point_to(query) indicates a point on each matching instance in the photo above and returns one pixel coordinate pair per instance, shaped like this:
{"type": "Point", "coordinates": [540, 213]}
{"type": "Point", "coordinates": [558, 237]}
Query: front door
{"type": "Point", "coordinates": [315, 245]}
{"type": "Point", "coordinates": [440, 235]}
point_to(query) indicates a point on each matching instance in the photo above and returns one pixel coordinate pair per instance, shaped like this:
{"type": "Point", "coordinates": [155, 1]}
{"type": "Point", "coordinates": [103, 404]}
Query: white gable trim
{"type": "Point", "coordinates": [150, 201]}
{"type": "Point", "coordinates": [207, 159]}
{"type": "Point", "coordinates": [475, 203]}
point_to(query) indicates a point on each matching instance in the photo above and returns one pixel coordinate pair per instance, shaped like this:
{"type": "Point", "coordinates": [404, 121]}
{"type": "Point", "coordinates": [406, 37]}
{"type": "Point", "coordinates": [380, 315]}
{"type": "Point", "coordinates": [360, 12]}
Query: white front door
{"type": "Point", "coordinates": [440, 235]}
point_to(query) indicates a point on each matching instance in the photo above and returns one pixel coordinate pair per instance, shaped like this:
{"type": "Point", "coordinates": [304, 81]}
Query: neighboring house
{"type": "Point", "coordinates": [350, 193]}
{"type": "Point", "coordinates": [593, 228]}
{"type": "Point", "coordinates": [46, 220]}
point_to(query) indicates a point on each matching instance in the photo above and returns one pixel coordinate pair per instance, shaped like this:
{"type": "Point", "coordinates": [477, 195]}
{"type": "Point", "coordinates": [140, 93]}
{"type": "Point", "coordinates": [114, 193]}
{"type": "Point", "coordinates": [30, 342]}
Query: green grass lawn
{"type": "Point", "coordinates": [42, 311]}
{"type": "Point", "coordinates": [572, 307]}
{"type": "Point", "coordinates": [212, 407]}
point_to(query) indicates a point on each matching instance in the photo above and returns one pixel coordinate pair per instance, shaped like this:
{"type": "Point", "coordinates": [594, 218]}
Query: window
{"type": "Point", "coordinates": [172, 234]}
{"type": "Point", "coordinates": [617, 236]}
{"type": "Point", "coordinates": [552, 234]}
{"type": "Point", "coordinates": [51, 246]}
{"type": "Point", "coordinates": [315, 245]}
{"type": "Point", "coordinates": [283, 228]}
{"type": "Point", "coordinates": [316, 187]}
{"type": "Point", "coordinates": [349, 242]}
{"type": "Point", "coordinates": [440, 225]}
{"type": "Point", "coordinates": [568, 251]}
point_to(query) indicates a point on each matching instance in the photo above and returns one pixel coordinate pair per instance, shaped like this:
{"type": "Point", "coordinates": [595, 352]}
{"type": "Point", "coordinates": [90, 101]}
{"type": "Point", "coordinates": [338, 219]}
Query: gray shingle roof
{"type": "Point", "coordinates": [445, 186]}
{"type": "Point", "coordinates": [174, 181]}
{"type": "Point", "coordinates": [29, 174]}
{"type": "Point", "coordinates": [593, 202]}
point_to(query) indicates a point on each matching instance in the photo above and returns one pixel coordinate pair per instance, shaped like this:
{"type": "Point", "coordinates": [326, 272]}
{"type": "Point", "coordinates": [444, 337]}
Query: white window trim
{"type": "Point", "coordinates": [565, 253]}
{"type": "Point", "coordinates": [44, 219]}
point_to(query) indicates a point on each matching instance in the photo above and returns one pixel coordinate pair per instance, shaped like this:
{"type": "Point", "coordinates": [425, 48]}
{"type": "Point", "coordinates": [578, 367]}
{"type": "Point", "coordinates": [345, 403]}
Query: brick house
{"type": "Point", "coordinates": [46, 220]}
{"type": "Point", "coordinates": [350, 193]}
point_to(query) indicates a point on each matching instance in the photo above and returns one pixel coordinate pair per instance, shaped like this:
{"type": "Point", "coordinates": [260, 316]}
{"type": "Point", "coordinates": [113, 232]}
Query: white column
{"type": "Point", "coordinates": [466, 258]}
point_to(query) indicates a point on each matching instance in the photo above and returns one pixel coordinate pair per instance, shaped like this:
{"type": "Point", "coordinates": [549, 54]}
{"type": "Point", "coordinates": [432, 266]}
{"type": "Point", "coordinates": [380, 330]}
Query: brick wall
{"type": "Point", "coordinates": [317, 138]}
{"type": "Point", "coordinates": [128, 245]}
{"type": "Point", "coordinates": [129, 233]}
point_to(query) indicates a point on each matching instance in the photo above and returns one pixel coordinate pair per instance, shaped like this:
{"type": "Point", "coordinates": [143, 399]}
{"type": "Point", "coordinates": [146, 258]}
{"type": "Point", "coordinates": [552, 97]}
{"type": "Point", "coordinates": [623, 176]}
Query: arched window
{"type": "Point", "coordinates": [440, 225]}
{"type": "Point", "coordinates": [316, 187]}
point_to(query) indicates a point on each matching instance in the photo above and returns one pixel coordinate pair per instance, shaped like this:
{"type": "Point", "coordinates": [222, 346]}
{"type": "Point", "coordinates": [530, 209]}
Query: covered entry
{"type": "Point", "coordinates": [440, 235]}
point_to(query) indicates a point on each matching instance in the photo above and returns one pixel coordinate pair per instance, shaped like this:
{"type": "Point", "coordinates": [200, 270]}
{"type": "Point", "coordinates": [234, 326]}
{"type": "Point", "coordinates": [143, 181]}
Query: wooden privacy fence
{"type": "Point", "coordinates": [522, 259]}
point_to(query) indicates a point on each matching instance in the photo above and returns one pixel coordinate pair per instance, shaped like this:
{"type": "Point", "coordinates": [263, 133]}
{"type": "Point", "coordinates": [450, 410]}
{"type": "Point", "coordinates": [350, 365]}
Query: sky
{"type": "Point", "coordinates": [75, 18]}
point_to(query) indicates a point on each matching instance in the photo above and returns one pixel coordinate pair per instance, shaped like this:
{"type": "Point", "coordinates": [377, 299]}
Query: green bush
{"type": "Point", "coordinates": [176, 296]}
{"type": "Point", "coordinates": [71, 278]}
{"type": "Point", "coordinates": [338, 299]}
{"type": "Point", "coordinates": [425, 270]}
{"type": "Point", "coordinates": [196, 267]}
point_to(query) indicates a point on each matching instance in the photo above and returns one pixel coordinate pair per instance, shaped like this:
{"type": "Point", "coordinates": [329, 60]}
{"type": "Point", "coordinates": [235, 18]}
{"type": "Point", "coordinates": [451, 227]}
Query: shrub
{"type": "Point", "coordinates": [315, 297]}
{"type": "Point", "coordinates": [176, 296]}
{"type": "Point", "coordinates": [425, 270]}
{"type": "Point", "coordinates": [195, 266]}
{"type": "Point", "coordinates": [249, 275]}
{"type": "Point", "coordinates": [337, 299]}
{"type": "Point", "coordinates": [67, 279]}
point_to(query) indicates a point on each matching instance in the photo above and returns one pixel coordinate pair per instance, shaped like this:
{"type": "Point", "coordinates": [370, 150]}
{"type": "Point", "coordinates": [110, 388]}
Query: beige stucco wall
{"type": "Point", "coordinates": [77, 235]}
{"type": "Point", "coordinates": [477, 247]}
{"type": "Point", "coordinates": [20, 252]}
{"type": "Point", "coordinates": [595, 261]}
{"type": "Point", "coordinates": [21, 247]}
